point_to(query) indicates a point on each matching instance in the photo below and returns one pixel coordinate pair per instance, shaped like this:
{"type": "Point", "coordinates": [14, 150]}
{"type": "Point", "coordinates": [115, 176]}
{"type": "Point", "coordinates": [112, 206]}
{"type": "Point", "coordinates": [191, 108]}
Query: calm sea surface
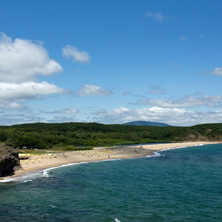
{"type": "Point", "coordinates": [175, 185]}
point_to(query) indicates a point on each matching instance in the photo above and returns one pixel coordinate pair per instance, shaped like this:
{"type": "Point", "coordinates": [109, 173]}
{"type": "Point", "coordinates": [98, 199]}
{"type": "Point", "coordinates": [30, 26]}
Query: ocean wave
{"type": "Point", "coordinates": [155, 154]}
{"type": "Point", "coordinates": [181, 147]}
{"type": "Point", "coordinates": [41, 173]}
{"type": "Point", "coordinates": [158, 153]}
{"type": "Point", "coordinates": [23, 179]}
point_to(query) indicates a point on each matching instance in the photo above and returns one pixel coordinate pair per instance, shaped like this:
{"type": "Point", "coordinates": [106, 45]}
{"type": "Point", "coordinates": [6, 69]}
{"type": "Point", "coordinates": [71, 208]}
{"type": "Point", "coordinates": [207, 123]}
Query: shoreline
{"type": "Point", "coordinates": [42, 162]}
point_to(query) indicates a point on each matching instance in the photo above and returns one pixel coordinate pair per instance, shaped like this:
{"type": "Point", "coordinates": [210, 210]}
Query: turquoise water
{"type": "Point", "coordinates": [176, 185]}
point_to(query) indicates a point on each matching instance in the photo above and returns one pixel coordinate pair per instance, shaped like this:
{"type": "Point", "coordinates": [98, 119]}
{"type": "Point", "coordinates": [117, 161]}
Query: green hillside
{"type": "Point", "coordinates": [48, 135]}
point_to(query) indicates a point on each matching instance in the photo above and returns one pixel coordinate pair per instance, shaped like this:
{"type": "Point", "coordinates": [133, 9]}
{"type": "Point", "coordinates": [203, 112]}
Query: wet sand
{"type": "Point", "coordinates": [41, 162]}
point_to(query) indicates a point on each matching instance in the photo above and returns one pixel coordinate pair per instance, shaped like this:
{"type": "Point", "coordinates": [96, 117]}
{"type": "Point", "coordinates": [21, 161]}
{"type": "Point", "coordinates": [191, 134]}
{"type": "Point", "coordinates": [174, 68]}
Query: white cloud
{"type": "Point", "coordinates": [12, 106]}
{"type": "Point", "coordinates": [78, 56]}
{"type": "Point", "coordinates": [68, 111]}
{"type": "Point", "coordinates": [172, 116]}
{"type": "Point", "coordinates": [185, 102]}
{"type": "Point", "coordinates": [90, 90]}
{"type": "Point", "coordinates": [63, 119]}
{"type": "Point", "coordinates": [63, 111]}
{"type": "Point", "coordinates": [13, 119]}
{"type": "Point", "coordinates": [182, 38]}
{"type": "Point", "coordinates": [217, 71]}
{"type": "Point", "coordinates": [22, 60]}
{"type": "Point", "coordinates": [118, 115]}
{"type": "Point", "coordinates": [156, 15]}
{"type": "Point", "coordinates": [117, 111]}
{"type": "Point", "coordinates": [14, 92]}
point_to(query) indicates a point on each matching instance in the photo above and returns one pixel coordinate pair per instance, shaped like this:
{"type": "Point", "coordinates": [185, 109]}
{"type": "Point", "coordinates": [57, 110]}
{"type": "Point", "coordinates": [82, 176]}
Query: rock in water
{"type": "Point", "coordinates": [9, 160]}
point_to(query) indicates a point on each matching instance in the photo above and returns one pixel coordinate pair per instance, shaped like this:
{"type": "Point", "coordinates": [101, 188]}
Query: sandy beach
{"type": "Point", "coordinates": [41, 162]}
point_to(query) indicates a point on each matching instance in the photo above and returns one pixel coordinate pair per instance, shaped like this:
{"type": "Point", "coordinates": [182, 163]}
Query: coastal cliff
{"type": "Point", "coordinates": [9, 160]}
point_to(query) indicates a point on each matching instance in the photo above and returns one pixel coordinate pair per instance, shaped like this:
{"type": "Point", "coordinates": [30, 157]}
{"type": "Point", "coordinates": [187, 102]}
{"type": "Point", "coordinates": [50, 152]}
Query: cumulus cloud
{"type": "Point", "coordinates": [185, 102]}
{"type": "Point", "coordinates": [13, 106]}
{"type": "Point", "coordinates": [118, 111]}
{"type": "Point", "coordinates": [18, 92]}
{"type": "Point", "coordinates": [156, 15]}
{"type": "Point", "coordinates": [22, 60]}
{"type": "Point", "coordinates": [90, 90]}
{"type": "Point", "coordinates": [172, 116]}
{"type": "Point", "coordinates": [118, 115]}
{"type": "Point", "coordinates": [217, 71]}
{"type": "Point", "coordinates": [77, 55]}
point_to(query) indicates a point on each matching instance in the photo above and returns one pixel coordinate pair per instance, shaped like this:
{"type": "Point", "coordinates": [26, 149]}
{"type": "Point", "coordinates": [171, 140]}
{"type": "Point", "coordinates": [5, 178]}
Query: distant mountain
{"type": "Point", "coordinates": [145, 123]}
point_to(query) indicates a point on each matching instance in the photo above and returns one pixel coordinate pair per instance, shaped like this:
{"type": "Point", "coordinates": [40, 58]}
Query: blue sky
{"type": "Point", "coordinates": [111, 61]}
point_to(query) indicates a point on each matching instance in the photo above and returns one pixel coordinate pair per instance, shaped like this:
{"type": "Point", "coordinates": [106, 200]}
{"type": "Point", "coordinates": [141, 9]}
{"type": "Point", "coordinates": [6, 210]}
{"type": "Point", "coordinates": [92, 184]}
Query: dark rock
{"type": "Point", "coordinates": [9, 160]}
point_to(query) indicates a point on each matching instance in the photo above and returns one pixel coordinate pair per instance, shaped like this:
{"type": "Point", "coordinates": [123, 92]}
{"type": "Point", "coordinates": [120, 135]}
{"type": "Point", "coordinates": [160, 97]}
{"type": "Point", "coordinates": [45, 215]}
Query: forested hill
{"type": "Point", "coordinates": [46, 135]}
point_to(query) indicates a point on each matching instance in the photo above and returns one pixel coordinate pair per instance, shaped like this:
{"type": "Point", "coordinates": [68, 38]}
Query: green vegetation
{"type": "Point", "coordinates": [70, 136]}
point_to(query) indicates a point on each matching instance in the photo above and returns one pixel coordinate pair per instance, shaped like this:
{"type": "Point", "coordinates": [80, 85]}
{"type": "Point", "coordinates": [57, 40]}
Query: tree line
{"type": "Point", "coordinates": [50, 135]}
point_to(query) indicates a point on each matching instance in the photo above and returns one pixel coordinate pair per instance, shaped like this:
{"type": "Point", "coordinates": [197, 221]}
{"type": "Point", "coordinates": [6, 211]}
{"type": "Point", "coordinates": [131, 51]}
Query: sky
{"type": "Point", "coordinates": [111, 62]}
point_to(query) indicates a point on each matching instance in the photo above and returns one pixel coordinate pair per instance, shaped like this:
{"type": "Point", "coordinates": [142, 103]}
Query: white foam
{"type": "Point", "coordinates": [116, 220]}
{"type": "Point", "coordinates": [199, 145]}
{"type": "Point", "coordinates": [181, 147]}
{"type": "Point", "coordinates": [155, 154]}
{"type": "Point", "coordinates": [35, 175]}
{"type": "Point", "coordinates": [27, 181]}
{"type": "Point", "coordinates": [25, 178]}
{"type": "Point", "coordinates": [158, 154]}
{"type": "Point", "coordinates": [45, 173]}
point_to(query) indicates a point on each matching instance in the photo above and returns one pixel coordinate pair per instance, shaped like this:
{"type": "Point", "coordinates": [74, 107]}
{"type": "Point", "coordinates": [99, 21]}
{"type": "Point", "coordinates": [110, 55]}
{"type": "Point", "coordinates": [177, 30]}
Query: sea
{"type": "Point", "coordinates": [183, 185]}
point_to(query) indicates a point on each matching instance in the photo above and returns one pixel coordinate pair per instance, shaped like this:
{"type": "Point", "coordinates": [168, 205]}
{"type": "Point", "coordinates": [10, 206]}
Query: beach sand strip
{"type": "Point", "coordinates": [41, 162]}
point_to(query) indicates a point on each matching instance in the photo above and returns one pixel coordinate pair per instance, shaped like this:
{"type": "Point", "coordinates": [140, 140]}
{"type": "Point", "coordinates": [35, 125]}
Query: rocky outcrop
{"type": "Point", "coordinates": [9, 160]}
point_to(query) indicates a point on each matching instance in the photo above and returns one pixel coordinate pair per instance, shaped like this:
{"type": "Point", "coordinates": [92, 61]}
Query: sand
{"type": "Point", "coordinates": [157, 147]}
{"type": "Point", "coordinates": [41, 162]}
